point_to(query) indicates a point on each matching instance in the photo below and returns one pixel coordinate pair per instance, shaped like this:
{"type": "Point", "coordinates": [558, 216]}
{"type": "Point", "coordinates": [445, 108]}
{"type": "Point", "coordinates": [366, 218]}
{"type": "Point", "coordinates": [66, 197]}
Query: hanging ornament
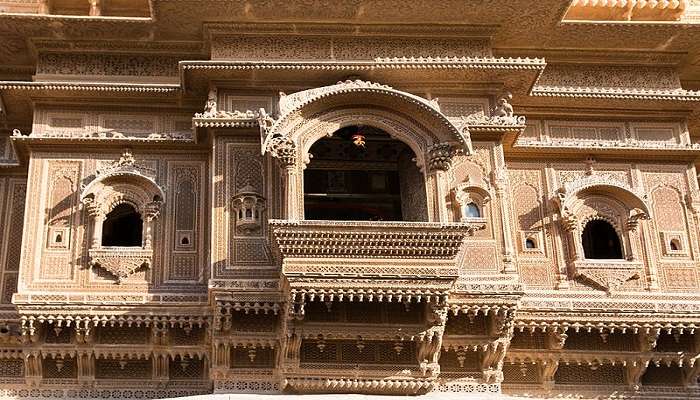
{"type": "Point", "coordinates": [358, 139]}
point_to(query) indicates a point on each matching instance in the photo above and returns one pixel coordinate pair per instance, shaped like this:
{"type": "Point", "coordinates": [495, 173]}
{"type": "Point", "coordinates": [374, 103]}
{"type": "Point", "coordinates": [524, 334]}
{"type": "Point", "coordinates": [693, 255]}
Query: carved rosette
{"type": "Point", "coordinates": [121, 262]}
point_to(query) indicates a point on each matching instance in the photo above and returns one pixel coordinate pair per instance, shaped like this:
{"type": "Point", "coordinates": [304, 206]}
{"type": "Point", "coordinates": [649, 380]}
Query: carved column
{"type": "Point", "coordinates": [653, 273]}
{"type": "Point", "coordinates": [150, 213]}
{"type": "Point", "coordinates": [500, 182]}
{"type": "Point", "coordinates": [285, 150]}
{"type": "Point", "coordinates": [439, 162]}
{"type": "Point", "coordinates": [44, 7]}
{"type": "Point", "coordinates": [161, 368]}
{"type": "Point", "coordinates": [97, 218]}
{"type": "Point", "coordinates": [95, 8]}
{"type": "Point", "coordinates": [86, 368]}
{"type": "Point", "coordinates": [32, 368]}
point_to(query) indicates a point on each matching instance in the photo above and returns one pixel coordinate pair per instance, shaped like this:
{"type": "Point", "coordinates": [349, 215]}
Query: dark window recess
{"type": "Point", "coordinates": [122, 227]}
{"type": "Point", "coordinates": [600, 241]}
{"type": "Point", "coordinates": [354, 175]}
{"type": "Point", "coordinates": [530, 244]}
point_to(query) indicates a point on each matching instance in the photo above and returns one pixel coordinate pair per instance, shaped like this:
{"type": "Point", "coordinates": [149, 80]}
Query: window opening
{"type": "Point", "coordinates": [530, 244]}
{"type": "Point", "coordinates": [122, 227]}
{"type": "Point", "coordinates": [471, 210]}
{"type": "Point", "coordinates": [600, 241]}
{"type": "Point", "coordinates": [675, 245]}
{"type": "Point", "coordinates": [358, 174]}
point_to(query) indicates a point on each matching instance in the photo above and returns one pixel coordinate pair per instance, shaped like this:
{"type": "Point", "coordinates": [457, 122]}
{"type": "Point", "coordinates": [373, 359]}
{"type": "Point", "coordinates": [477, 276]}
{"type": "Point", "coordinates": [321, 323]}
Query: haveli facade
{"type": "Point", "coordinates": [386, 197]}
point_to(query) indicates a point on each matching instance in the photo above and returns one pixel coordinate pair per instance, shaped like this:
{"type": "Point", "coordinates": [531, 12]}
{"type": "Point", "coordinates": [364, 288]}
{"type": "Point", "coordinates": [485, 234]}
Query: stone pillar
{"type": "Point", "coordinates": [86, 368]}
{"type": "Point", "coordinates": [500, 182]}
{"type": "Point", "coordinates": [97, 218]}
{"type": "Point", "coordinates": [285, 150]}
{"type": "Point", "coordinates": [150, 213]}
{"type": "Point", "coordinates": [32, 368]}
{"type": "Point", "coordinates": [161, 368]}
{"type": "Point", "coordinates": [439, 162]}
{"type": "Point", "coordinates": [95, 8]}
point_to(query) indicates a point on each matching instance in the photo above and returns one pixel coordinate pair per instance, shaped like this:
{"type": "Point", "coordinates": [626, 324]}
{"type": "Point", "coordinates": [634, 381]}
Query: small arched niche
{"type": "Point", "coordinates": [601, 241]}
{"type": "Point", "coordinates": [360, 173]}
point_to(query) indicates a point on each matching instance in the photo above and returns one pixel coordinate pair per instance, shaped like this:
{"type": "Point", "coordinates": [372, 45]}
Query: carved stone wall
{"type": "Point", "coordinates": [13, 192]}
{"type": "Point", "coordinates": [317, 47]}
{"type": "Point", "coordinates": [58, 260]}
{"type": "Point", "coordinates": [56, 122]}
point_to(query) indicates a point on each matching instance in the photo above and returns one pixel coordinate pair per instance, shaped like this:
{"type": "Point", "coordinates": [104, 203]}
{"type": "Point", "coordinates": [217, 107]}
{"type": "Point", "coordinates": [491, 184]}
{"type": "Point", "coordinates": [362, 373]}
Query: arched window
{"type": "Point", "coordinates": [600, 241]}
{"type": "Point", "coordinates": [123, 227]}
{"type": "Point", "coordinates": [530, 244]}
{"type": "Point", "coordinates": [361, 173]}
{"type": "Point", "coordinates": [471, 210]}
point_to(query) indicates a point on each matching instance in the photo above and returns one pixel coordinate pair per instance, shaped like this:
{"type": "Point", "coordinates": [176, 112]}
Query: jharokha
{"type": "Point", "coordinates": [380, 197]}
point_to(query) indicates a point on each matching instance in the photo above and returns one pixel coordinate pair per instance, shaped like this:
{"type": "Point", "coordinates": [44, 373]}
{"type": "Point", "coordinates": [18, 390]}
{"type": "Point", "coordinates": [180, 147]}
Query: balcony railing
{"type": "Point", "coordinates": [369, 248]}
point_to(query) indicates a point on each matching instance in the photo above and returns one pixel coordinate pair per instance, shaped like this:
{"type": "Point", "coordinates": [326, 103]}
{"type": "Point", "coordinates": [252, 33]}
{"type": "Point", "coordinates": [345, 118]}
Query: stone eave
{"type": "Point", "coordinates": [237, 28]}
{"type": "Point", "coordinates": [531, 320]}
{"type": "Point", "coordinates": [20, 97]}
{"type": "Point", "coordinates": [617, 93]}
{"type": "Point", "coordinates": [679, 152]}
{"type": "Point", "coordinates": [24, 145]}
{"type": "Point", "coordinates": [125, 303]}
{"type": "Point", "coordinates": [597, 357]}
{"type": "Point", "coordinates": [517, 74]}
{"type": "Point", "coordinates": [333, 289]}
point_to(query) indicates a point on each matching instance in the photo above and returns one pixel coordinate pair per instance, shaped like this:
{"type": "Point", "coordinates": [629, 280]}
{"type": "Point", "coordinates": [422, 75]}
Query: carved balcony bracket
{"type": "Point", "coordinates": [634, 372]}
{"type": "Point", "coordinates": [121, 261]}
{"type": "Point", "coordinates": [608, 275]}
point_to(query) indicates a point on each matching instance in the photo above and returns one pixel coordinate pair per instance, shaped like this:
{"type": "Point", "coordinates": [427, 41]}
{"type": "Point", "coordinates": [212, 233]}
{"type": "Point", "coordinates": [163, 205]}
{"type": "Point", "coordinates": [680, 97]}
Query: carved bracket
{"type": "Point", "coordinates": [122, 261]}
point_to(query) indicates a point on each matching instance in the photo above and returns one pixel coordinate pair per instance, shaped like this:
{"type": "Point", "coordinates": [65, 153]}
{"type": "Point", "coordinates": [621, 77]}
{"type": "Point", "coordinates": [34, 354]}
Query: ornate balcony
{"type": "Point", "coordinates": [121, 261]}
{"type": "Point", "coordinates": [368, 260]}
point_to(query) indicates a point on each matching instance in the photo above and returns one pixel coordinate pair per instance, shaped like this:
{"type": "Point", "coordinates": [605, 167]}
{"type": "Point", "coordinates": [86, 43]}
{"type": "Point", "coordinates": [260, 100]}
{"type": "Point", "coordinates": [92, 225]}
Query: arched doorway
{"type": "Point", "coordinates": [600, 241]}
{"type": "Point", "coordinates": [360, 173]}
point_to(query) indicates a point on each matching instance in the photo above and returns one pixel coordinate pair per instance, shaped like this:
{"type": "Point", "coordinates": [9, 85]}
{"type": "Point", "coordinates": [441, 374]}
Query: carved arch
{"type": "Point", "coordinates": [109, 190]}
{"type": "Point", "coordinates": [298, 108]}
{"type": "Point", "coordinates": [634, 200]}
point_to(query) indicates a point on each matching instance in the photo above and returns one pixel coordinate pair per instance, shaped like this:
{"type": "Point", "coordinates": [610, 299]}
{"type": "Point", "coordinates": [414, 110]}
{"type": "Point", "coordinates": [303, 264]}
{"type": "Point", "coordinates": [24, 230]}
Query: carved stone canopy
{"type": "Point", "coordinates": [354, 93]}
{"type": "Point", "coordinates": [109, 189]}
{"type": "Point", "coordinates": [635, 201]}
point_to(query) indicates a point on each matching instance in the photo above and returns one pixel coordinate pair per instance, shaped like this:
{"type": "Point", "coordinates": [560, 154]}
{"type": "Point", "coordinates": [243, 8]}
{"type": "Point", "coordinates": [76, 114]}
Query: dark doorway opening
{"type": "Point", "coordinates": [122, 227]}
{"type": "Point", "coordinates": [360, 173]}
{"type": "Point", "coordinates": [600, 241]}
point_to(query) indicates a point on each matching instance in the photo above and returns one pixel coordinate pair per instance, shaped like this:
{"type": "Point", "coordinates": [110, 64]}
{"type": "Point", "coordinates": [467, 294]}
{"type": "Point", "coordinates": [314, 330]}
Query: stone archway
{"type": "Point", "coordinates": [307, 116]}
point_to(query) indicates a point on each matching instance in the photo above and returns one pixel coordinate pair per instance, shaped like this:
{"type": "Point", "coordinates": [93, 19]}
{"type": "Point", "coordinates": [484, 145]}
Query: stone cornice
{"type": "Point", "coordinates": [91, 87]}
{"type": "Point", "coordinates": [374, 30]}
{"type": "Point", "coordinates": [617, 93]}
